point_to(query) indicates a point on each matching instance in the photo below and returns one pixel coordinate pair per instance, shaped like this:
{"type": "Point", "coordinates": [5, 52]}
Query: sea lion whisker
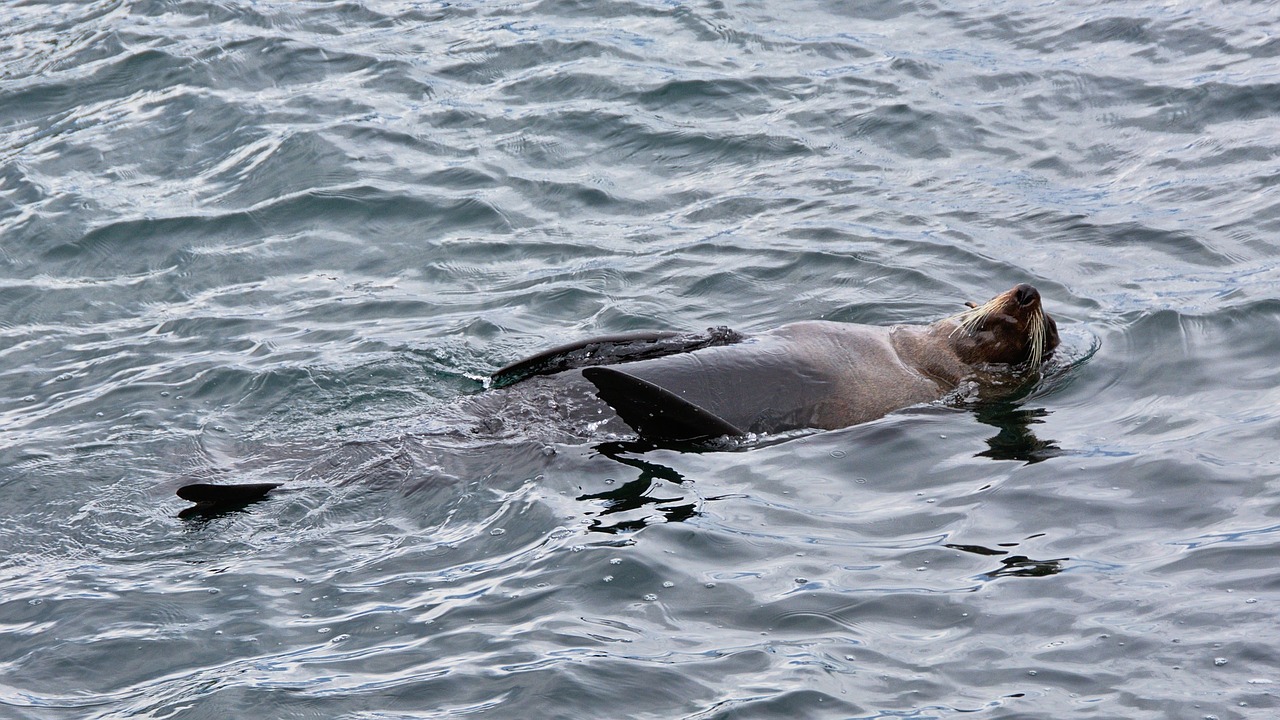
{"type": "Point", "coordinates": [969, 320]}
{"type": "Point", "coordinates": [1037, 338]}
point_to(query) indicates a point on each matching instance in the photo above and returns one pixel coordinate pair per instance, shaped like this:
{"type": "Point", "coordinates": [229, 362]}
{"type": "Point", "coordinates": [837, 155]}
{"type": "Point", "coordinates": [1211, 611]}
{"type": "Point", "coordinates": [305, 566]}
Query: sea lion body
{"type": "Point", "coordinates": [814, 374]}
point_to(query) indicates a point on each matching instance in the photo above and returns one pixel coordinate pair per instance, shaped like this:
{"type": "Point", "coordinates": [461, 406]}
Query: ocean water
{"type": "Point", "coordinates": [284, 241]}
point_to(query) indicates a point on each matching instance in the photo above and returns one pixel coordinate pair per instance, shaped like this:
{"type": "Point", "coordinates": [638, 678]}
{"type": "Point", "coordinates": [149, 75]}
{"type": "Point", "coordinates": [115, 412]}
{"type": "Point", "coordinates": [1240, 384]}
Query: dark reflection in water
{"type": "Point", "coordinates": [1023, 566]}
{"type": "Point", "coordinates": [635, 495]}
{"type": "Point", "coordinates": [1016, 440]}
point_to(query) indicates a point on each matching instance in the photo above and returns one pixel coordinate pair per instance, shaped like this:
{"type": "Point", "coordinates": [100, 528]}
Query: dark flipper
{"type": "Point", "coordinates": [612, 350]}
{"type": "Point", "coordinates": [216, 499]}
{"type": "Point", "coordinates": [658, 415]}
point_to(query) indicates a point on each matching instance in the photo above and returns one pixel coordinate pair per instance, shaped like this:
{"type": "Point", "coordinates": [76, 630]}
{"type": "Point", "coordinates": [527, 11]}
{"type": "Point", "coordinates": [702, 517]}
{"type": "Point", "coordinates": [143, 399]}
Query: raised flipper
{"type": "Point", "coordinates": [212, 499]}
{"type": "Point", "coordinates": [658, 415]}
{"type": "Point", "coordinates": [612, 350]}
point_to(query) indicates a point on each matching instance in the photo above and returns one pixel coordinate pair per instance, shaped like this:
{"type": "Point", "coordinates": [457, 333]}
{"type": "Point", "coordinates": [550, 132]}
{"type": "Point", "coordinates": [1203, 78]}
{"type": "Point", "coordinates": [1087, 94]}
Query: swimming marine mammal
{"type": "Point", "coordinates": [817, 374]}
{"type": "Point", "coordinates": [667, 388]}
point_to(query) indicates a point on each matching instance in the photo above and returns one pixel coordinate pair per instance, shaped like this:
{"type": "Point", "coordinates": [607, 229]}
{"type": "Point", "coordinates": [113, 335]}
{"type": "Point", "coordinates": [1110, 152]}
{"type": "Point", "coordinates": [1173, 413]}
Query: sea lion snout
{"type": "Point", "coordinates": [1025, 294]}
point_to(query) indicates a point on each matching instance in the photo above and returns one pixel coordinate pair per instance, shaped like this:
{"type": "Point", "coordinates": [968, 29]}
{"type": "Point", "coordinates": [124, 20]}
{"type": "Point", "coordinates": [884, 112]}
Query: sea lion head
{"type": "Point", "coordinates": [1010, 328]}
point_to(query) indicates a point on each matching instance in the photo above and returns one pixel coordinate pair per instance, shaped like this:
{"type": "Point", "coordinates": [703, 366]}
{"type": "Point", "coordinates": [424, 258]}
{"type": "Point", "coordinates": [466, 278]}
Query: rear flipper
{"type": "Point", "coordinates": [217, 499]}
{"type": "Point", "coordinates": [657, 415]}
{"type": "Point", "coordinates": [612, 350]}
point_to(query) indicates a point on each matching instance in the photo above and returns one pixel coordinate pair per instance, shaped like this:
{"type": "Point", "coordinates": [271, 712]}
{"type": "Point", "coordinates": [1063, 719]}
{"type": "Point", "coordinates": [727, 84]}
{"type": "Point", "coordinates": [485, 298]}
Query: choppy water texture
{"type": "Point", "coordinates": [279, 241]}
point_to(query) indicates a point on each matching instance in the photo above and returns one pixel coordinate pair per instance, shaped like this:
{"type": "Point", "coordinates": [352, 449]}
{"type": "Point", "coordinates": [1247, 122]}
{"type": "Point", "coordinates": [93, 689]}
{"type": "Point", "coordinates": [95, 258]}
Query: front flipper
{"type": "Point", "coordinates": [612, 350]}
{"type": "Point", "coordinates": [658, 415]}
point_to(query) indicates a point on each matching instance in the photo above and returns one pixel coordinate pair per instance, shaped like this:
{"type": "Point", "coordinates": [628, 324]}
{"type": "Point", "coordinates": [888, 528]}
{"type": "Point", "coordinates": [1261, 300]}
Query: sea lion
{"type": "Point", "coordinates": [671, 388]}
{"type": "Point", "coordinates": [823, 375]}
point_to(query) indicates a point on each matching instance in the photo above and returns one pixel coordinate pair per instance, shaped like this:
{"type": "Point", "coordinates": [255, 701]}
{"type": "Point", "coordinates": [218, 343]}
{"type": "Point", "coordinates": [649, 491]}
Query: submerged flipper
{"type": "Point", "coordinates": [612, 350]}
{"type": "Point", "coordinates": [212, 499]}
{"type": "Point", "coordinates": [658, 415]}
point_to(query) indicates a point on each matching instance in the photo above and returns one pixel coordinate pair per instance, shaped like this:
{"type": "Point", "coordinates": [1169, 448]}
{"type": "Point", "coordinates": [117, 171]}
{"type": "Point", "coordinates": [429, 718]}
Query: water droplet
{"type": "Point", "coordinates": [164, 393]}
{"type": "Point", "coordinates": [1032, 673]}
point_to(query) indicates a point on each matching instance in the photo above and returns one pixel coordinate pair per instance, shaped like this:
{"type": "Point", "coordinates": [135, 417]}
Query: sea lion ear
{"type": "Point", "coordinates": [970, 304]}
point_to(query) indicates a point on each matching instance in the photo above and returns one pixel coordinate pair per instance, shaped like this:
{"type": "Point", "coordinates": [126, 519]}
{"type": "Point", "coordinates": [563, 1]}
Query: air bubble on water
{"type": "Point", "coordinates": [497, 531]}
{"type": "Point", "coordinates": [615, 561]}
{"type": "Point", "coordinates": [1219, 661]}
{"type": "Point", "coordinates": [650, 597]}
{"type": "Point", "coordinates": [668, 584]}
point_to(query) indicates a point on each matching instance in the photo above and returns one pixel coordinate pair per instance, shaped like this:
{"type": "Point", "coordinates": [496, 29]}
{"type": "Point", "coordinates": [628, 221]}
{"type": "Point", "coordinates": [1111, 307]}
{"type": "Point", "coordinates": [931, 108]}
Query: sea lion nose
{"type": "Point", "coordinates": [1025, 294]}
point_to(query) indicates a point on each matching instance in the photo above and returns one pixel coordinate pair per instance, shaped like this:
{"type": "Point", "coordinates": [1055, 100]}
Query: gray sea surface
{"type": "Point", "coordinates": [285, 242]}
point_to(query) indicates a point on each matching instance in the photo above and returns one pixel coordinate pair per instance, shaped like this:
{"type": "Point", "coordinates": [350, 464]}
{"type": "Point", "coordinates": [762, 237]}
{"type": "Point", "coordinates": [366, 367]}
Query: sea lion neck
{"type": "Point", "coordinates": [929, 349]}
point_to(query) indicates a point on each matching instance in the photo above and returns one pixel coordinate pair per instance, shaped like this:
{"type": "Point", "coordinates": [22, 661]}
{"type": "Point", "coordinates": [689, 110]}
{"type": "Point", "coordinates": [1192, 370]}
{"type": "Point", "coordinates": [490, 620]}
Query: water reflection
{"type": "Point", "coordinates": [635, 495]}
{"type": "Point", "coordinates": [1015, 439]}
